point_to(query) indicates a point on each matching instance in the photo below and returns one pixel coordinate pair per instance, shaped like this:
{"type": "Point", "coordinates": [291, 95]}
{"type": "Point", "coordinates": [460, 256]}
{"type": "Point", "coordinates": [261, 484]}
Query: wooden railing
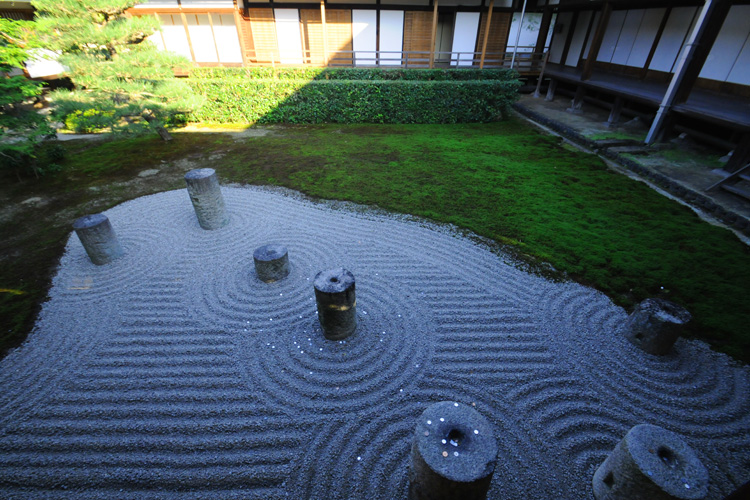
{"type": "Point", "coordinates": [526, 63]}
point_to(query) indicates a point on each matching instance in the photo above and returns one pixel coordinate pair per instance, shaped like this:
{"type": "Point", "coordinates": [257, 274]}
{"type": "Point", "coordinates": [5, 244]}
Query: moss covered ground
{"type": "Point", "coordinates": [504, 181]}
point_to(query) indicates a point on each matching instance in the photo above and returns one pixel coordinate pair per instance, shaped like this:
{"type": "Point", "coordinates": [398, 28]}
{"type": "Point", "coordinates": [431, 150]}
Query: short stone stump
{"type": "Point", "coordinates": [651, 463]}
{"type": "Point", "coordinates": [337, 303]}
{"type": "Point", "coordinates": [453, 454]}
{"type": "Point", "coordinates": [271, 263]}
{"type": "Point", "coordinates": [98, 238]}
{"type": "Point", "coordinates": [655, 325]}
{"type": "Point", "coordinates": [205, 194]}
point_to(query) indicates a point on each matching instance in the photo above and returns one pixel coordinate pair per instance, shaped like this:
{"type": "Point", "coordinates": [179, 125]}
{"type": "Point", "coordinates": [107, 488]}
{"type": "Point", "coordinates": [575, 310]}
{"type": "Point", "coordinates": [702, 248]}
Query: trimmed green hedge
{"type": "Point", "coordinates": [262, 73]}
{"type": "Point", "coordinates": [446, 98]}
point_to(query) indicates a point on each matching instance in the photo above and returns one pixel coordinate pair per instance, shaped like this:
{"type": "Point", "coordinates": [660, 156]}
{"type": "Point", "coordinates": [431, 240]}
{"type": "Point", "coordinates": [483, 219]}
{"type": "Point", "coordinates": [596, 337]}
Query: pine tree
{"type": "Point", "coordinates": [123, 83]}
{"type": "Point", "coordinates": [22, 128]}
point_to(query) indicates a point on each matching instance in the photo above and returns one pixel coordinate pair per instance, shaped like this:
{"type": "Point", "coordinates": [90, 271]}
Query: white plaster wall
{"type": "Point", "coordinates": [157, 40]}
{"type": "Point", "coordinates": [612, 35]}
{"type": "Point", "coordinates": [576, 43]}
{"type": "Point", "coordinates": [364, 36]}
{"type": "Point", "coordinates": [227, 39]}
{"type": "Point", "coordinates": [672, 38]}
{"type": "Point", "coordinates": [201, 38]}
{"type": "Point", "coordinates": [551, 30]}
{"type": "Point", "coordinates": [646, 36]}
{"type": "Point", "coordinates": [628, 35]}
{"type": "Point", "coordinates": [730, 42]}
{"type": "Point", "coordinates": [561, 34]}
{"type": "Point", "coordinates": [41, 63]}
{"type": "Point", "coordinates": [464, 38]}
{"type": "Point", "coordinates": [175, 37]}
{"type": "Point", "coordinates": [529, 33]}
{"type": "Point", "coordinates": [741, 71]}
{"type": "Point", "coordinates": [422, 3]}
{"type": "Point", "coordinates": [391, 37]}
{"type": "Point", "coordinates": [288, 35]}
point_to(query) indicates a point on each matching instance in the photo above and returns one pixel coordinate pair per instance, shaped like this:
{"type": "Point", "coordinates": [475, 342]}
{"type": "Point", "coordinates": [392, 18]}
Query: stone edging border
{"type": "Point", "coordinates": [688, 195]}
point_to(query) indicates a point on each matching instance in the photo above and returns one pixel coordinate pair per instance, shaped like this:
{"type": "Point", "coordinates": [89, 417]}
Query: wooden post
{"type": "Point", "coordinates": [614, 113]}
{"type": "Point", "coordinates": [537, 92]}
{"type": "Point", "coordinates": [325, 31]}
{"type": "Point", "coordinates": [709, 31]}
{"type": "Point", "coordinates": [596, 42]}
{"type": "Point", "coordinates": [694, 53]}
{"type": "Point", "coordinates": [238, 20]}
{"type": "Point", "coordinates": [741, 155]}
{"type": "Point", "coordinates": [486, 34]}
{"type": "Point", "coordinates": [518, 35]}
{"type": "Point", "coordinates": [551, 90]}
{"type": "Point", "coordinates": [541, 39]}
{"type": "Point", "coordinates": [213, 35]}
{"type": "Point", "coordinates": [187, 34]}
{"type": "Point", "coordinates": [577, 103]}
{"type": "Point", "coordinates": [434, 34]}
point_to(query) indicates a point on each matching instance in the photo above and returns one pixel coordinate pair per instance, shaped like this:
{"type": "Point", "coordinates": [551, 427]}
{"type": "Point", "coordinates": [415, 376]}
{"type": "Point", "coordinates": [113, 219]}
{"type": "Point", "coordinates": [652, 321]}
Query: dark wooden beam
{"type": "Point", "coordinates": [586, 39]}
{"type": "Point", "coordinates": [740, 157]}
{"type": "Point", "coordinates": [712, 24]}
{"type": "Point", "coordinates": [486, 33]}
{"type": "Point", "coordinates": [551, 90]}
{"type": "Point", "coordinates": [627, 4]}
{"type": "Point", "coordinates": [614, 113]}
{"type": "Point", "coordinates": [596, 42]}
{"type": "Point", "coordinates": [577, 103]}
{"type": "Point", "coordinates": [692, 57]}
{"type": "Point", "coordinates": [433, 33]}
{"type": "Point", "coordinates": [541, 39]}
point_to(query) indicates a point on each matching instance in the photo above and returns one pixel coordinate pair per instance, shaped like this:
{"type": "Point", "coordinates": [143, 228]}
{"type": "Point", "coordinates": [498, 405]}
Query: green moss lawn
{"type": "Point", "coordinates": [504, 181]}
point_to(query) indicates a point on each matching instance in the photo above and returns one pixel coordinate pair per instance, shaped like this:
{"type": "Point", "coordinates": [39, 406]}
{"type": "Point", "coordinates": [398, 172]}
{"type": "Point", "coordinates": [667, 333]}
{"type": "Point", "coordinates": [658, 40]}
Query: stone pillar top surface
{"type": "Point", "coordinates": [456, 442]}
{"type": "Point", "coordinates": [666, 311]}
{"type": "Point", "coordinates": [668, 461]}
{"type": "Point", "coordinates": [200, 173]}
{"type": "Point", "coordinates": [333, 280]}
{"type": "Point", "coordinates": [269, 252]}
{"type": "Point", "coordinates": [90, 220]}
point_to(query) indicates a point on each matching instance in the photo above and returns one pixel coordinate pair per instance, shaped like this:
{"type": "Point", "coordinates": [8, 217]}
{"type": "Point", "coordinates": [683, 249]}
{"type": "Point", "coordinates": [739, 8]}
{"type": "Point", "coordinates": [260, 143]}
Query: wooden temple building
{"type": "Point", "coordinates": [682, 65]}
{"type": "Point", "coordinates": [406, 33]}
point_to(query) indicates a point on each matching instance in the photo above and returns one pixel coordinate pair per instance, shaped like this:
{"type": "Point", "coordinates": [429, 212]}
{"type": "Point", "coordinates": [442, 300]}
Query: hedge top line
{"type": "Point", "coordinates": [268, 82]}
{"type": "Point", "coordinates": [354, 74]}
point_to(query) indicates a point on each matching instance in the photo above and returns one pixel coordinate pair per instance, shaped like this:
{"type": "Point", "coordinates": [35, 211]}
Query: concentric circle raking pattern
{"type": "Point", "coordinates": [175, 373]}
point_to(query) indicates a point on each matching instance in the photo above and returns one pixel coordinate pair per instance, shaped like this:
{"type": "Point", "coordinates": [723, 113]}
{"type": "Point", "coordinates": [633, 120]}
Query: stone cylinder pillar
{"type": "Point", "coordinates": [453, 454]}
{"type": "Point", "coordinates": [205, 193]}
{"type": "Point", "coordinates": [651, 463]}
{"type": "Point", "coordinates": [98, 238]}
{"type": "Point", "coordinates": [337, 303]}
{"type": "Point", "coordinates": [271, 262]}
{"type": "Point", "coordinates": [655, 325]}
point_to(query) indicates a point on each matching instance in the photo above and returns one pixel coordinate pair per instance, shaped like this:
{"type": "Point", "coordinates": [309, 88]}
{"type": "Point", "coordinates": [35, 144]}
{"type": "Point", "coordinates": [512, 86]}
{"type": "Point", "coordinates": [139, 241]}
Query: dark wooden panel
{"type": "Point", "coordinates": [417, 37]}
{"type": "Point", "coordinates": [497, 43]}
{"type": "Point", "coordinates": [263, 29]}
